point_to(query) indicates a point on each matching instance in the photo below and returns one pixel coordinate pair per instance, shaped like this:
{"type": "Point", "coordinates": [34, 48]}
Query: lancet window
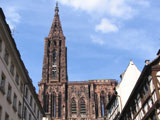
{"type": "Point", "coordinates": [54, 55]}
{"type": "Point", "coordinates": [102, 100]}
{"type": "Point", "coordinates": [59, 105]}
{"type": "Point", "coordinates": [73, 106]}
{"type": "Point", "coordinates": [82, 106]}
{"type": "Point", "coordinates": [53, 104]}
{"type": "Point", "coordinates": [46, 102]}
{"type": "Point", "coordinates": [96, 105]}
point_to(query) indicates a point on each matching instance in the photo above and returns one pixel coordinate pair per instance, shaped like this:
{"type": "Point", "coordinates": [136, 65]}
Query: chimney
{"type": "Point", "coordinates": [147, 62]}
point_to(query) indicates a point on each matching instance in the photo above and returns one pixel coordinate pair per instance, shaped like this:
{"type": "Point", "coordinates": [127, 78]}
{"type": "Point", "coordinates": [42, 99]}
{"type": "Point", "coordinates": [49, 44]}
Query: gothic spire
{"type": "Point", "coordinates": [56, 29]}
{"type": "Point", "coordinates": [56, 9]}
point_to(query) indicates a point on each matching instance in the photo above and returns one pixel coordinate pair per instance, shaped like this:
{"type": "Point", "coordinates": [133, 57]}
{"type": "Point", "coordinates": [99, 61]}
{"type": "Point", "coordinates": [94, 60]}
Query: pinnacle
{"type": "Point", "coordinates": [56, 9]}
{"type": "Point", "coordinates": [56, 29]}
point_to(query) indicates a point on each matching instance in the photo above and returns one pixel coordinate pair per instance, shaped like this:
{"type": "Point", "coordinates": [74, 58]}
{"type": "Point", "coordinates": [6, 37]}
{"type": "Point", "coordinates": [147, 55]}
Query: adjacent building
{"type": "Point", "coordinates": [122, 91]}
{"type": "Point", "coordinates": [143, 100]}
{"type": "Point", "coordinates": [18, 99]}
{"type": "Point", "coordinates": [61, 100]}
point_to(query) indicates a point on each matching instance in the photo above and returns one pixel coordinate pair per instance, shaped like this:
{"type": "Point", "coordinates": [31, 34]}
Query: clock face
{"type": "Point", "coordinates": [158, 76]}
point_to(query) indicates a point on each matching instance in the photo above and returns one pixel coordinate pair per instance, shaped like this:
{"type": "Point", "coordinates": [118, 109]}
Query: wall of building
{"type": "Point", "coordinates": [127, 83]}
{"type": "Point", "coordinates": [14, 80]}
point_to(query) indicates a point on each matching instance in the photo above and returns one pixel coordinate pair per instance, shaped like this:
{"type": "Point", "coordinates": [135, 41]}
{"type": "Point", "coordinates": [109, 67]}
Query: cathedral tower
{"type": "Point", "coordinates": [52, 88]}
{"type": "Point", "coordinates": [63, 100]}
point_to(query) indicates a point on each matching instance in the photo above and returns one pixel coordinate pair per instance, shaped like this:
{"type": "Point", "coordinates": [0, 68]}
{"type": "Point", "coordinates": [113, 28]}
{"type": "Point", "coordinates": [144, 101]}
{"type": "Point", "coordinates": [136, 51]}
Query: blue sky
{"type": "Point", "coordinates": [102, 36]}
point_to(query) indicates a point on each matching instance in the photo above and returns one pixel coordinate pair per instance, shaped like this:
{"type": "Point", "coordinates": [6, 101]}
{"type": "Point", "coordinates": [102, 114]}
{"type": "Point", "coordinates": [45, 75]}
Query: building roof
{"type": "Point", "coordinates": [129, 79]}
{"type": "Point", "coordinates": [139, 81]}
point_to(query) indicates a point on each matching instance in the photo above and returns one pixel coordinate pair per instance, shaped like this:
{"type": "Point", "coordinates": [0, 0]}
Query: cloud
{"type": "Point", "coordinates": [106, 26]}
{"type": "Point", "coordinates": [97, 40]}
{"type": "Point", "coordinates": [144, 3]}
{"type": "Point", "coordinates": [116, 8]}
{"type": "Point", "coordinates": [136, 41]}
{"type": "Point", "coordinates": [12, 16]}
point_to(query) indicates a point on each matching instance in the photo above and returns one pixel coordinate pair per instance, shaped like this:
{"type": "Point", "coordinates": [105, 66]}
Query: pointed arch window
{"type": "Point", "coordinates": [59, 105]}
{"type": "Point", "coordinates": [54, 55]}
{"type": "Point", "coordinates": [46, 106]}
{"type": "Point", "coordinates": [102, 100]}
{"type": "Point", "coordinates": [82, 106]}
{"type": "Point", "coordinates": [96, 105]}
{"type": "Point", "coordinates": [73, 106]}
{"type": "Point", "coordinates": [53, 105]}
{"type": "Point", "coordinates": [54, 69]}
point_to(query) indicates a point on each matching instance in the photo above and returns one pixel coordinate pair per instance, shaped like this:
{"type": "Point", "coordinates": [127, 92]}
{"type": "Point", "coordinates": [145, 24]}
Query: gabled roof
{"type": "Point", "coordinates": [140, 80]}
{"type": "Point", "coordinates": [129, 79]}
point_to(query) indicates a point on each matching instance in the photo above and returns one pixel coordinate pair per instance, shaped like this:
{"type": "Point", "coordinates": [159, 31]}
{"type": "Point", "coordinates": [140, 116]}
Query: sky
{"type": "Point", "coordinates": [102, 36]}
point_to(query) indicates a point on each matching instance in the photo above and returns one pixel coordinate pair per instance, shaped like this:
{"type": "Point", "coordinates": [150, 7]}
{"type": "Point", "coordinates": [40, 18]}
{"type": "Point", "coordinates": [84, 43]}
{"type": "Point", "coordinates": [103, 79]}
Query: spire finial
{"type": "Point", "coordinates": [56, 9]}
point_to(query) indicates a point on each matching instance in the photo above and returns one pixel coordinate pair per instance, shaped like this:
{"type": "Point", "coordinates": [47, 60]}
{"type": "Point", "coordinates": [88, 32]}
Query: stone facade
{"type": "Point", "coordinates": [69, 100]}
{"type": "Point", "coordinates": [18, 98]}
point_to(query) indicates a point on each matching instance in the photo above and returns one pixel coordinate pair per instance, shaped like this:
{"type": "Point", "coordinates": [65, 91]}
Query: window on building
{"type": "Point", "coordinates": [109, 96]}
{"type": "Point", "coordinates": [59, 104]}
{"type": "Point", "coordinates": [6, 116]}
{"type": "Point", "coordinates": [102, 100]}
{"type": "Point", "coordinates": [6, 56]}
{"type": "Point", "coordinates": [53, 74]}
{"type": "Point", "coordinates": [31, 101]}
{"type": "Point", "coordinates": [73, 106]}
{"type": "Point", "coordinates": [153, 116]}
{"type": "Point", "coordinates": [26, 92]}
{"type": "Point", "coordinates": [25, 113]}
{"type": "Point", "coordinates": [19, 109]}
{"type": "Point", "coordinates": [53, 104]}
{"type": "Point", "coordinates": [2, 83]}
{"type": "Point", "coordinates": [12, 69]}
{"type": "Point", "coordinates": [34, 107]}
{"type": "Point", "coordinates": [54, 55]}
{"type": "Point", "coordinates": [21, 87]}
{"type": "Point", "coordinates": [9, 93]}
{"type": "Point", "coordinates": [96, 104]}
{"type": "Point", "coordinates": [0, 45]}
{"type": "Point", "coordinates": [0, 113]}
{"type": "Point", "coordinates": [46, 102]}
{"type": "Point", "coordinates": [30, 117]}
{"type": "Point", "coordinates": [82, 106]}
{"type": "Point", "coordinates": [55, 43]}
{"type": "Point", "coordinates": [37, 114]}
{"type": "Point", "coordinates": [17, 79]}
{"type": "Point", "coordinates": [15, 102]}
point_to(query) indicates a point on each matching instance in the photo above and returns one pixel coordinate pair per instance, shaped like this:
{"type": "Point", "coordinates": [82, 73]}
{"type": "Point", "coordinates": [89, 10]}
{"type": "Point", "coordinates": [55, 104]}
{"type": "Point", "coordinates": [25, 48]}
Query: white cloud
{"type": "Point", "coordinates": [97, 40]}
{"type": "Point", "coordinates": [12, 16]}
{"type": "Point", "coordinates": [116, 8]}
{"type": "Point", "coordinates": [144, 3]}
{"type": "Point", "coordinates": [137, 41]}
{"type": "Point", "coordinates": [106, 26]}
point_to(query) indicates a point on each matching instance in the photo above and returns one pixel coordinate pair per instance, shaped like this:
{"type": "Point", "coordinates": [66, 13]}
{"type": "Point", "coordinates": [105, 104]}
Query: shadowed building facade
{"type": "Point", "coordinates": [69, 100]}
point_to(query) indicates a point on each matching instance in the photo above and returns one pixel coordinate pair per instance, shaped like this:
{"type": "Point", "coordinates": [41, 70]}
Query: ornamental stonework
{"type": "Point", "coordinates": [63, 100]}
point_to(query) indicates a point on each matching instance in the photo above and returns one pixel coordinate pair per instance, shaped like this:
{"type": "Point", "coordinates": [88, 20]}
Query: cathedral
{"type": "Point", "coordinates": [69, 100]}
